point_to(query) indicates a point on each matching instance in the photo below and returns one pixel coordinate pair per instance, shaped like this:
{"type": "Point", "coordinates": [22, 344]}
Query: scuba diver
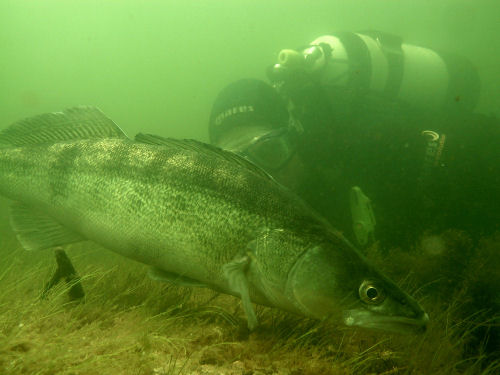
{"type": "Point", "coordinates": [370, 130]}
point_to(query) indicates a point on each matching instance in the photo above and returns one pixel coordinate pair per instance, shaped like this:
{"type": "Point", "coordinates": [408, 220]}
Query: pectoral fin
{"type": "Point", "coordinates": [235, 274]}
{"type": "Point", "coordinates": [37, 231]}
{"type": "Point", "coordinates": [170, 277]}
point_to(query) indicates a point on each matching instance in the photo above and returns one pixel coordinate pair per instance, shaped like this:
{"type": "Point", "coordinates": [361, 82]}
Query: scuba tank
{"type": "Point", "coordinates": [382, 64]}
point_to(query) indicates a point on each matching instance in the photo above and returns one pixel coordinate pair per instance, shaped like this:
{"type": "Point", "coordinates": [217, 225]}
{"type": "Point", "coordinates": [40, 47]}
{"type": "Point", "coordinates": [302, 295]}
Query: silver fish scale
{"type": "Point", "coordinates": [168, 207]}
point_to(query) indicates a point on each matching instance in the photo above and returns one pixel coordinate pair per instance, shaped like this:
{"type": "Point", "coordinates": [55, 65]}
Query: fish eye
{"type": "Point", "coordinates": [370, 293]}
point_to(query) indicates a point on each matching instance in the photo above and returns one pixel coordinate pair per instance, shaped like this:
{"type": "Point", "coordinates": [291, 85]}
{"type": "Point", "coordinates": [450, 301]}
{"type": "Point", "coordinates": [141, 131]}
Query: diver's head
{"type": "Point", "coordinates": [250, 118]}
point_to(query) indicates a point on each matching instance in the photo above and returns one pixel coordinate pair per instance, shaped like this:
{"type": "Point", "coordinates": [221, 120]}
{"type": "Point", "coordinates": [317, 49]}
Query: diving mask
{"type": "Point", "coordinates": [269, 149]}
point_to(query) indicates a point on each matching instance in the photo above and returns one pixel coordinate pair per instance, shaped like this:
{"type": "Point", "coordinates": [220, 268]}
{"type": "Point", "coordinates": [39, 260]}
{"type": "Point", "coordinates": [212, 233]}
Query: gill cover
{"type": "Point", "coordinates": [312, 285]}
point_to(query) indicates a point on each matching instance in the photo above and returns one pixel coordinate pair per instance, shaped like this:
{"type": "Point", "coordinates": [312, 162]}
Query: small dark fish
{"type": "Point", "coordinates": [65, 271]}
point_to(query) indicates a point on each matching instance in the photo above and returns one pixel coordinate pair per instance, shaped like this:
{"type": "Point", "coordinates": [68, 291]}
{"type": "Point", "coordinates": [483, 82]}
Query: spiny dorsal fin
{"type": "Point", "coordinates": [200, 147]}
{"type": "Point", "coordinates": [81, 122]}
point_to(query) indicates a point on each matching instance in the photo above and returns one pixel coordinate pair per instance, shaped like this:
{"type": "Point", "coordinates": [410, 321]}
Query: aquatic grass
{"type": "Point", "coordinates": [364, 361]}
{"type": "Point", "coordinates": [129, 324]}
{"type": "Point", "coordinates": [45, 326]}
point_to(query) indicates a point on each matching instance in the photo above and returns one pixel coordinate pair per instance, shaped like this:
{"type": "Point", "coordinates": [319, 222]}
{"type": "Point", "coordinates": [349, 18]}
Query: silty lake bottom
{"type": "Point", "coordinates": [129, 324]}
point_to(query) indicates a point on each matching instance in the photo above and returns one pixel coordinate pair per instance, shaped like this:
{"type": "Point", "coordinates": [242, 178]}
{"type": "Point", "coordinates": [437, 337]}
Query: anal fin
{"type": "Point", "coordinates": [37, 231]}
{"type": "Point", "coordinates": [174, 278]}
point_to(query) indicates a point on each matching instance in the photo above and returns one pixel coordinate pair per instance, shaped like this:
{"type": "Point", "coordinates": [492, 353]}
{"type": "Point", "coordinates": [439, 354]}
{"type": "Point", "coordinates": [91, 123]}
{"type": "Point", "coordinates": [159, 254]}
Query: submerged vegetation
{"type": "Point", "coordinates": [128, 324]}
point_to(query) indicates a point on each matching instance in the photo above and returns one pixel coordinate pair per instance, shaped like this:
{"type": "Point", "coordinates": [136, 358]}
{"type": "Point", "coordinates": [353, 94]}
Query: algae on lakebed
{"type": "Point", "coordinates": [128, 324]}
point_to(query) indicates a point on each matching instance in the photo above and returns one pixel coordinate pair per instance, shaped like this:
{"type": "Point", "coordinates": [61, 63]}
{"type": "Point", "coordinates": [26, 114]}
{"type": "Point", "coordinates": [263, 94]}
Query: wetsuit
{"type": "Point", "coordinates": [416, 183]}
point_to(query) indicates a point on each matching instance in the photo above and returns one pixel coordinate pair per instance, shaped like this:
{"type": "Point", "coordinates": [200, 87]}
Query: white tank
{"type": "Point", "coordinates": [378, 63]}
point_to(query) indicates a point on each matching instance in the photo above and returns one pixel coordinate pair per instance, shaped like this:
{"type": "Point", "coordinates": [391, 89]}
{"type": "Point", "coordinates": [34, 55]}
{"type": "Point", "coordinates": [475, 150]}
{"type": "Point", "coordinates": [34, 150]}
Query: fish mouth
{"type": "Point", "coordinates": [396, 324]}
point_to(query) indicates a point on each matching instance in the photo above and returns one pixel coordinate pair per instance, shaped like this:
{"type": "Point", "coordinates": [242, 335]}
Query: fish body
{"type": "Point", "coordinates": [194, 213]}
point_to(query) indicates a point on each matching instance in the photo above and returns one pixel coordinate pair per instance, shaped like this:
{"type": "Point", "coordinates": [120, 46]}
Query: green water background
{"type": "Point", "coordinates": [157, 65]}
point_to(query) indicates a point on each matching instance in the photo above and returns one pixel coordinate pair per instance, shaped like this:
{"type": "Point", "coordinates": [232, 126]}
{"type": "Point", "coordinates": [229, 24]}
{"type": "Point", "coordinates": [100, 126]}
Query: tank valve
{"type": "Point", "coordinates": [290, 58]}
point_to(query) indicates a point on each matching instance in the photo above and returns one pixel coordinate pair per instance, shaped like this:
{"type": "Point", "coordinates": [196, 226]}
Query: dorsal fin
{"type": "Point", "coordinates": [200, 147]}
{"type": "Point", "coordinates": [81, 122]}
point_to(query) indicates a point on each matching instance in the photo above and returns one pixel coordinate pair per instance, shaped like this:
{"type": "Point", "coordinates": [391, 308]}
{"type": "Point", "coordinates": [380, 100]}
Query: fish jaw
{"type": "Point", "coordinates": [396, 324]}
{"type": "Point", "coordinates": [395, 312]}
{"type": "Point", "coordinates": [338, 284]}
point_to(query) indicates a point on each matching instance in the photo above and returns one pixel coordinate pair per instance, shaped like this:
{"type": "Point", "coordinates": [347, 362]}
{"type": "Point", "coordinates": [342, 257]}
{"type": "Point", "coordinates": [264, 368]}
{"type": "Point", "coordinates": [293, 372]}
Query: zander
{"type": "Point", "coordinates": [196, 214]}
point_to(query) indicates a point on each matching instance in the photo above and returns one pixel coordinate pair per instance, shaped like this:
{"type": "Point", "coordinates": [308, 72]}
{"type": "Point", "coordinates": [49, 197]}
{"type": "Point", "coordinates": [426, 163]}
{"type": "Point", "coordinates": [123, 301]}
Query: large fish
{"type": "Point", "coordinates": [196, 214]}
